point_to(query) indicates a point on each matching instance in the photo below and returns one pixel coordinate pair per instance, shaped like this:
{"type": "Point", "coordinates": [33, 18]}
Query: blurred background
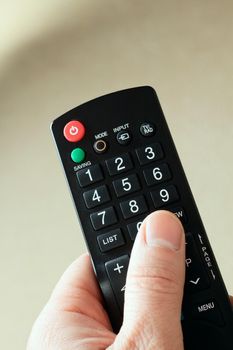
{"type": "Point", "coordinates": [56, 55]}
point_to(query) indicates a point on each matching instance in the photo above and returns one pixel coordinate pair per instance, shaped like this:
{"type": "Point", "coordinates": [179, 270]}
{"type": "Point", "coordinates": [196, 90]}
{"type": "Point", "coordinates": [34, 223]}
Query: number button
{"type": "Point", "coordinates": [126, 185]}
{"type": "Point", "coordinates": [133, 207]}
{"type": "Point", "coordinates": [133, 228]}
{"type": "Point", "coordinates": [89, 175]}
{"type": "Point", "coordinates": [164, 196]}
{"type": "Point", "coordinates": [157, 174]}
{"type": "Point", "coordinates": [96, 196]}
{"type": "Point", "coordinates": [103, 218]}
{"type": "Point", "coordinates": [119, 164]}
{"type": "Point", "coordinates": [149, 153]}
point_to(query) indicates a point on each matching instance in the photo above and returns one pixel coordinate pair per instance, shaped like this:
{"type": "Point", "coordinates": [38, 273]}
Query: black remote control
{"type": "Point", "coordinates": [121, 165]}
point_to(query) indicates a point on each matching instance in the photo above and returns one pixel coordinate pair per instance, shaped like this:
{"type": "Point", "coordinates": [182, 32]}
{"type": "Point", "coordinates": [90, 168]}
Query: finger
{"type": "Point", "coordinates": [77, 291]}
{"type": "Point", "coordinates": [155, 281]}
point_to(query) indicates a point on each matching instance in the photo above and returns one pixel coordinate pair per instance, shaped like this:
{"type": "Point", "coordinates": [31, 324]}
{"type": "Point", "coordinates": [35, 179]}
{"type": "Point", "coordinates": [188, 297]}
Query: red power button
{"type": "Point", "coordinates": [74, 131]}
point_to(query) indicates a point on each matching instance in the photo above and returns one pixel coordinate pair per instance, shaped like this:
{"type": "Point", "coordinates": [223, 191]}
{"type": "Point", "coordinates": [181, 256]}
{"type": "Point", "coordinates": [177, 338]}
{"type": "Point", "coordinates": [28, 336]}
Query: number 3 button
{"type": "Point", "coordinates": [96, 196]}
{"type": "Point", "coordinates": [149, 153]}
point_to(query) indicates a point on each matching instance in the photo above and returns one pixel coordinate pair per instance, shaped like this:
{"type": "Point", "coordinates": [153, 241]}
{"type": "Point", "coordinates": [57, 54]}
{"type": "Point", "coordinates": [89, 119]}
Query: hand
{"type": "Point", "coordinates": [75, 319]}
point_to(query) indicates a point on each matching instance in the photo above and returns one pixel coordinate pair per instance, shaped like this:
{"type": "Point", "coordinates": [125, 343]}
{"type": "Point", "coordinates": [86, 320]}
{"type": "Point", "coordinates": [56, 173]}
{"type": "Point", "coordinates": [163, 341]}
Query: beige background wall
{"type": "Point", "coordinates": [56, 55]}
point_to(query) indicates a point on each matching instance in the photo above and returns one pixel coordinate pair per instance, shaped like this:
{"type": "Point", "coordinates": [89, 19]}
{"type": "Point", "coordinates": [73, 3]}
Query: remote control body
{"type": "Point", "coordinates": [121, 164]}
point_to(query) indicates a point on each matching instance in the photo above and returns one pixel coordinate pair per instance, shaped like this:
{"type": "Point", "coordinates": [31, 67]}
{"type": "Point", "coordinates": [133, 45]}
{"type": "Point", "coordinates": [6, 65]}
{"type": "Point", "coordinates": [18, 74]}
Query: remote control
{"type": "Point", "coordinates": [121, 165]}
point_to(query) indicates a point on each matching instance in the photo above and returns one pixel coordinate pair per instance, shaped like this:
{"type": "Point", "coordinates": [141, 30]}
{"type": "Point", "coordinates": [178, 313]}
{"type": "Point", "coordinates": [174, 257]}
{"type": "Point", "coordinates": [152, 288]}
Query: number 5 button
{"type": "Point", "coordinates": [126, 185]}
{"type": "Point", "coordinates": [96, 196]}
{"type": "Point", "coordinates": [149, 153]}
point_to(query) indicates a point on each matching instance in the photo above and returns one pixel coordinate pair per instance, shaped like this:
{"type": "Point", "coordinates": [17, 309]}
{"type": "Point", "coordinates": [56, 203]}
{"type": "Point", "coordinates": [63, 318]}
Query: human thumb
{"type": "Point", "coordinates": [154, 286]}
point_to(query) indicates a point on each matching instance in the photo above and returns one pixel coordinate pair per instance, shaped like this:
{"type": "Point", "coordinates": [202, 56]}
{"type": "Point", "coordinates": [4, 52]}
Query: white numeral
{"type": "Point", "coordinates": [134, 208]}
{"type": "Point", "coordinates": [103, 216]}
{"type": "Point", "coordinates": [139, 224]}
{"type": "Point", "coordinates": [150, 154]}
{"type": "Point", "coordinates": [96, 196]}
{"type": "Point", "coordinates": [126, 184]}
{"type": "Point", "coordinates": [119, 162]}
{"type": "Point", "coordinates": [89, 174]}
{"type": "Point", "coordinates": [157, 174]}
{"type": "Point", "coordinates": [164, 195]}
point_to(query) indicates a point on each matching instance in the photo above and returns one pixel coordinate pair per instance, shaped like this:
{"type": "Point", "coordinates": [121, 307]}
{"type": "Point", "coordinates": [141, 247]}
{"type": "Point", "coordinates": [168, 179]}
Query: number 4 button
{"type": "Point", "coordinates": [97, 196]}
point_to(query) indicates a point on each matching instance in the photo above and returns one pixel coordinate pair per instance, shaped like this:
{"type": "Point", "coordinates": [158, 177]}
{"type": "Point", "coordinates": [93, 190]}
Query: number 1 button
{"type": "Point", "coordinates": [89, 175]}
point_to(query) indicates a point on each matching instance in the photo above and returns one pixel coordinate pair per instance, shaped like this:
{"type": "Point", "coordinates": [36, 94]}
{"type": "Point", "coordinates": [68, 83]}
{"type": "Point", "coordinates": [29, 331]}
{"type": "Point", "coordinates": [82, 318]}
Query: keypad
{"type": "Point", "coordinates": [157, 174]}
{"type": "Point", "coordinates": [89, 175]}
{"type": "Point", "coordinates": [150, 153]}
{"type": "Point", "coordinates": [126, 185]}
{"type": "Point", "coordinates": [119, 164]}
{"type": "Point", "coordinates": [97, 196]}
{"type": "Point", "coordinates": [155, 177]}
{"type": "Point", "coordinates": [133, 206]}
{"type": "Point", "coordinates": [103, 218]}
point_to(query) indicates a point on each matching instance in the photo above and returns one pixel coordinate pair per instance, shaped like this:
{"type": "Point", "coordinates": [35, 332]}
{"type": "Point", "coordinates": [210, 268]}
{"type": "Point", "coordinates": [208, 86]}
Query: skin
{"type": "Point", "coordinates": [75, 319]}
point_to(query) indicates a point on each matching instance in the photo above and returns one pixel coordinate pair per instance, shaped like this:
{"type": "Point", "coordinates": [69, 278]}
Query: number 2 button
{"type": "Point", "coordinates": [119, 164]}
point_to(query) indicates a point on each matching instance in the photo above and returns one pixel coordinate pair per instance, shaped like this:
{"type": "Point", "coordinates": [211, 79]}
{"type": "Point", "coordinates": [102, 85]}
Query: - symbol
{"type": "Point", "coordinates": [123, 288]}
{"type": "Point", "coordinates": [73, 130]}
{"type": "Point", "coordinates": [195, 282]}
{"type": "Point", "coordinates": [212, 272]}
{"type": "Point", "coordinates": [147, 129]}
{"type": "Point", "coordinates": [118, 268]}
{"type": "Point", "coordinates": [200, 238]}
{"type": "Point", "coordinates": [188, 261]}
{"type": "Point", "coordinates": [124, 136]}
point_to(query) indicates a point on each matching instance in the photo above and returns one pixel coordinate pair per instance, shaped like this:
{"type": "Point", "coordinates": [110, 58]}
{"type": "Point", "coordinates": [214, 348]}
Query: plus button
{"type": "Point", "coordinates": [118, 268]}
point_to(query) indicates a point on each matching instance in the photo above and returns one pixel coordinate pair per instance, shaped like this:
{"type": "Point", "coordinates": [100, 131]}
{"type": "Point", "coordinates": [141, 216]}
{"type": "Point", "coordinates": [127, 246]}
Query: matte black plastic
{"type": "Point", "coordinates": [104, 118]}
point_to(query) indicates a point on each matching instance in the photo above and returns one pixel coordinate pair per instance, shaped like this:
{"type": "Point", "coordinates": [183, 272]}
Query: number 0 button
{"type": "Point", "coordinates": [133, 207]}
{"type": "Point", "coordinates": [119, 164]}
{"type": "Point", "coordinates": [97, 196]}
{"type": "Point", "coordinates": [103, 218]}
{"type": "Point", "coordinates": [89, 175]}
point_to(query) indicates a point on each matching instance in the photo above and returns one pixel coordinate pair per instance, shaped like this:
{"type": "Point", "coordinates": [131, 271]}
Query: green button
{"type": "Point", "coordinates": [78, 155]}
